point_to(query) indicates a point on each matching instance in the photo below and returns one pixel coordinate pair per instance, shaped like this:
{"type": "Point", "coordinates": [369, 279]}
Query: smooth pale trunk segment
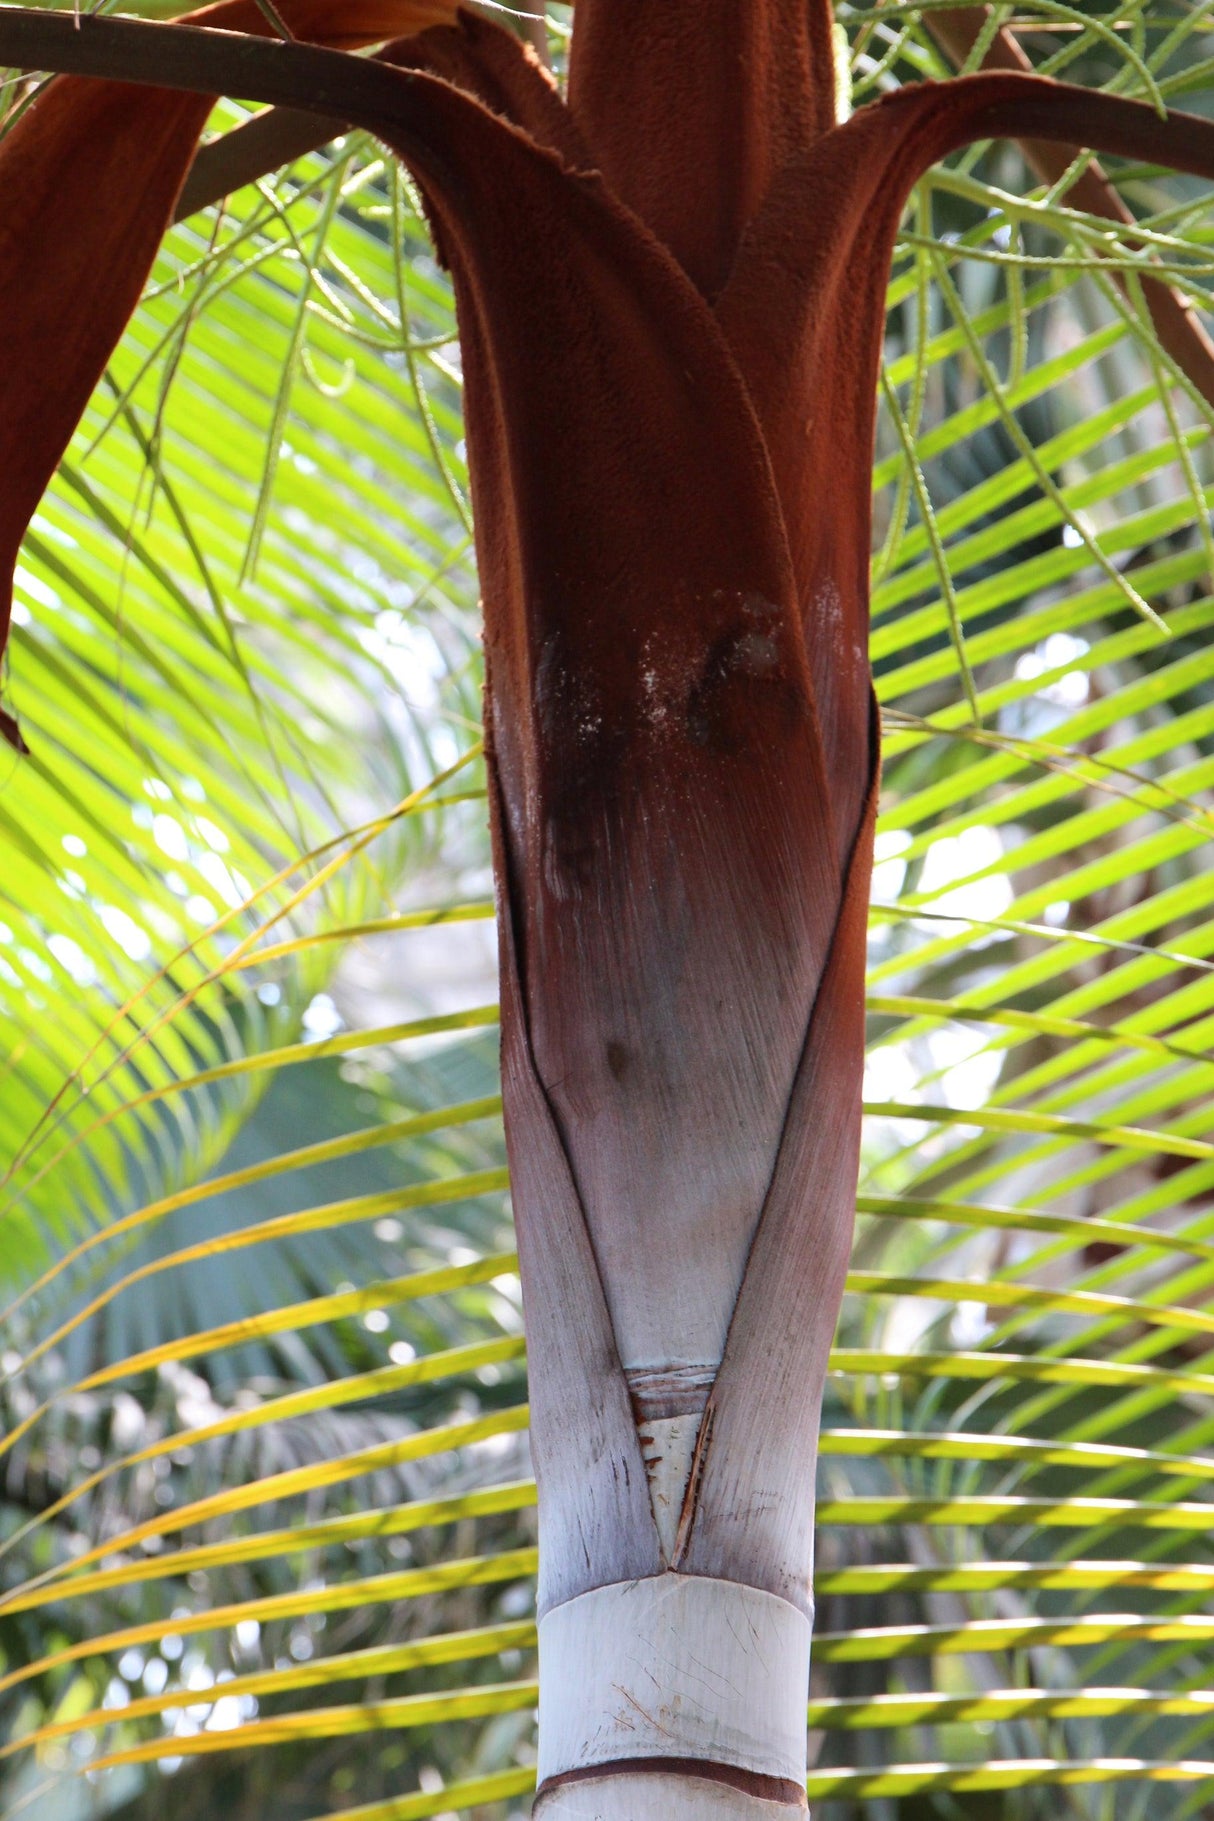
{"type": "Point", "coordinates": [668, 1449]}
{"type": "Point", "coordinates": [674, 1667]}
{"type": "Point", "coordinates": [659, 1796]}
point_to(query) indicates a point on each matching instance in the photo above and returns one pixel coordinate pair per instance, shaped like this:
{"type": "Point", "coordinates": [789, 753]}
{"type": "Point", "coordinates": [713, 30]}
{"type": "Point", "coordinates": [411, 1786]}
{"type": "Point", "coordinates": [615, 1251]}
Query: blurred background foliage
{"type": "Point", "coordinates": [266, 1537]}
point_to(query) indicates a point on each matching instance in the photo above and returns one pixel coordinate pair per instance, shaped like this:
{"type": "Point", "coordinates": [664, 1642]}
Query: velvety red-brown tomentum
{"type": "Point", "coordinates": [670, 292]}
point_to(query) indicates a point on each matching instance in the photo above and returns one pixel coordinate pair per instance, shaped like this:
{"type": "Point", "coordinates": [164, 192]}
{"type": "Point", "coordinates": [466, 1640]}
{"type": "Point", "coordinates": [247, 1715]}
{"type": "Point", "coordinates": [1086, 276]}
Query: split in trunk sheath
{"type": "Point", "coordinates": [670, 292]}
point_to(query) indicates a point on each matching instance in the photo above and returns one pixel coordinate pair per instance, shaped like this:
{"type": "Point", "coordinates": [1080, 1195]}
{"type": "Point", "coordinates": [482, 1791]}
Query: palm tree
{"type": "Point", "coordinates": [626, 1015]}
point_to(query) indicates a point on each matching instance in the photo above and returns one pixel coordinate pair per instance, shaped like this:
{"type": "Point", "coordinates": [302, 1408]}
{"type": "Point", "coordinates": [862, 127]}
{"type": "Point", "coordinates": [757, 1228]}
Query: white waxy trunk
{"type": "Point", "coordinates": [668, 1448]}
{"type": "Point", "coordinates": [659, 1796]}
{"type": "Point", "coordinates": [684, 1670]}
{"type": "Point", "coordinates": [676, 1508]}
{"type": "Point", "coordinates": [673, 1696]}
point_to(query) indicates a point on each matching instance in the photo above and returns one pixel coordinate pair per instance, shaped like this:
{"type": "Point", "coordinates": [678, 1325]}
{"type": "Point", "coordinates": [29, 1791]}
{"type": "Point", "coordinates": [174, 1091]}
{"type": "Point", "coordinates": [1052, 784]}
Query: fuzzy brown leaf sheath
{"type": "Point", "coordinates": [668, 848]}
{"type": "Point", "coordinates": [692, 109]}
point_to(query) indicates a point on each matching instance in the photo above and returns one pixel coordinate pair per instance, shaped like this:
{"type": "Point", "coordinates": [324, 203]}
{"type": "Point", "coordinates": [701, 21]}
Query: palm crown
{"type": "Point", "coordinates": [670, 417]}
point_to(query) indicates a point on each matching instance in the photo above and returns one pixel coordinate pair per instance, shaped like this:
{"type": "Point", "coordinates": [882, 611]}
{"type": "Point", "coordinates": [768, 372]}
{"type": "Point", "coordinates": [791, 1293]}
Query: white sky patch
{"type": "Point", "coordinates": [220, 878]}
{"type": "Point", "coordinates": [212, 834]}
{"type": "Point", "coordinates": [970, 1325]}
{"type": "Point", "coordinates": [230, 1711]}
{"type": "Point", "coordinates": [510, 1312]}
{"type": "Point", "coordinates": [71, 956]}
{"type": "Point", "coordinates": [960, 857]}
{"type": "Point", "coordinates": [322, 1018]}
{"type": "Point", "coordinates": [55, 533]}
{"type": "Point", "coordinates": [890, 1075]}
{"type": "Point", "coordinates": [35, 587]}
{"type": "Point", "coordinates": [970, 1071]}
{"type": "Point", "coordinates": [408, 652]}
{"type": "Point", "coordinates": [170, 837]}
{"type": "Point", "coordinates": [36, 962]}
{"type": "Point", "coordinates": [130, 937]}
{"type": "Point", "coordinates": [1069, 691]}
{"type": "Point", "coordinates": [1059, 653]}
{"type": "Point", "coordinates": [908, 1321]}
{"type": "Point", "coordinates": [889, 869]}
